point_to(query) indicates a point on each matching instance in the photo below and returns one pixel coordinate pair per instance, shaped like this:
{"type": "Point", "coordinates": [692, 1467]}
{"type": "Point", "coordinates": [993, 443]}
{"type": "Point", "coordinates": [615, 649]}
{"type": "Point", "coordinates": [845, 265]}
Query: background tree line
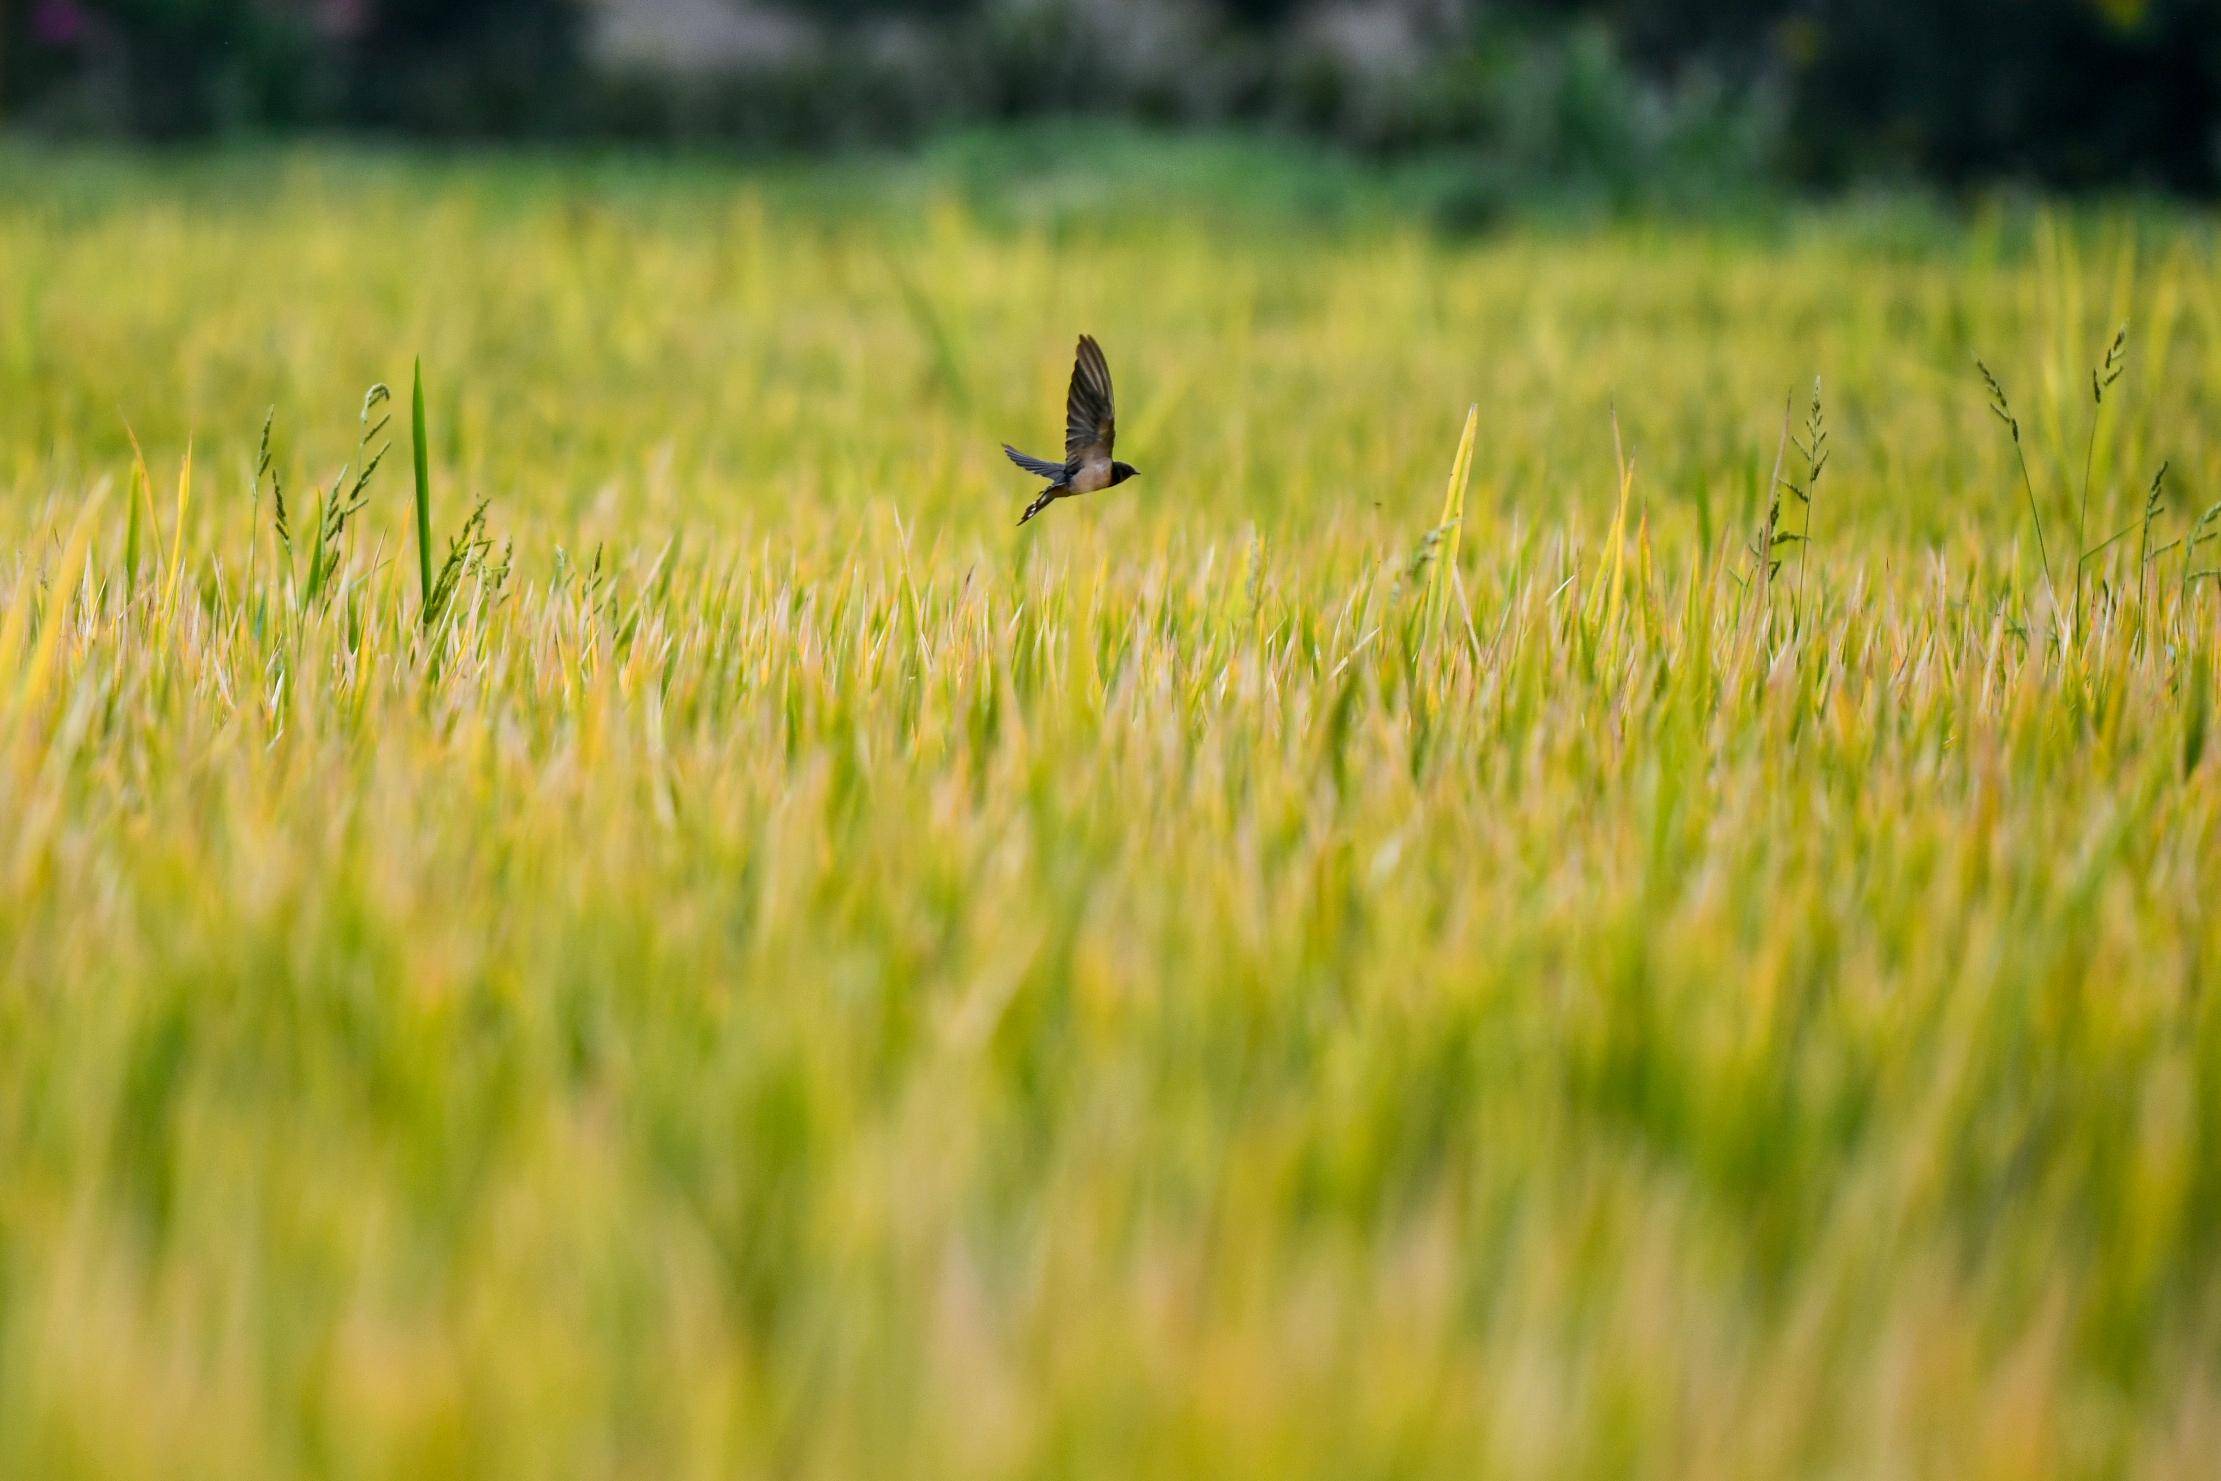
{"type": "Point", "coordinates": [1615, 93]}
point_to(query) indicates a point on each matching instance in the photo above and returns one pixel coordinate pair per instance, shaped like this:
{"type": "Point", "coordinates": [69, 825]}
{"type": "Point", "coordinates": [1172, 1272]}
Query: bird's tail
{"type": "Point", "coordinates": [1049, 496]}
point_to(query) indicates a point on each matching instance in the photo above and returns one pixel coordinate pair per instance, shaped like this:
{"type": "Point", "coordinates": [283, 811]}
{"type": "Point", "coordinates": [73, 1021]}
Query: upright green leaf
{"type": "Point", "coordinates": [423, 497]}
{"type": "Point", "coordinates": [1453, 516]}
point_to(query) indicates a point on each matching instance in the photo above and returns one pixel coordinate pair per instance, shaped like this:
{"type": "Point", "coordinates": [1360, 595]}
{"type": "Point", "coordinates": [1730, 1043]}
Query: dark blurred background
{"type": "Point", "coordinates": [1725, 94]}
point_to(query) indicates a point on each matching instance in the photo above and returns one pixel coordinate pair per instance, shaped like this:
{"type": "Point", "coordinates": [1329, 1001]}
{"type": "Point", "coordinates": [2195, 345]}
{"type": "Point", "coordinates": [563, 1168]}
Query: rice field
{"type": "Point", "coordinates": [1353, 955]}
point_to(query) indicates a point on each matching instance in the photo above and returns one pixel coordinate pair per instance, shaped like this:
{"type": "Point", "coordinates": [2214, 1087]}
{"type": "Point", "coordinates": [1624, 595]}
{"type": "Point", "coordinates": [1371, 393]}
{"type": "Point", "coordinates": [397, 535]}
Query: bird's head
{"type": "Point", "coordinates": [1120, 472]}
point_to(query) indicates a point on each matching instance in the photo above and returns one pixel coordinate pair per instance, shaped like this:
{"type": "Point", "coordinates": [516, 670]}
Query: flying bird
{"type": "Point", "coordinates": [1090, 426]}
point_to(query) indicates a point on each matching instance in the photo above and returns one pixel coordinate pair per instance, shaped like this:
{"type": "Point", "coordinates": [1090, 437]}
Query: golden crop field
{"type": "Point", "coordinates": [781, 973]}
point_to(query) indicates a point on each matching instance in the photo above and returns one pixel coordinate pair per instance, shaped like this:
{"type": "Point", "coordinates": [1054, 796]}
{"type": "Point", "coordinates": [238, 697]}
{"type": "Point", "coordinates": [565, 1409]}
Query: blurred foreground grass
{"type": "Point", "coordinates": [795, 977]}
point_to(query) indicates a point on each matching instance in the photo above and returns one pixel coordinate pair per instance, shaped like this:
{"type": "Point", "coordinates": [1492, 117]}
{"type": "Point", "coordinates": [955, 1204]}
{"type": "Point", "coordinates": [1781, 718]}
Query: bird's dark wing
{"type": "Point", "coordinates": [1090, 421]}
{"type": "Point", "coordinates": [1039, 467]}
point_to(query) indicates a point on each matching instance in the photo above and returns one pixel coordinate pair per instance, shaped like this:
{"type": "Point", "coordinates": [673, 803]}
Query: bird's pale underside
{"type": "Point", "coordinates": [1090, 428]}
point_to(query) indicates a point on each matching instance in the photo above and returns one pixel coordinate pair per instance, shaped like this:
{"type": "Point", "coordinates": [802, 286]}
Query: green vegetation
{"type": "Point", "coordinates": [740, 962]}
{"type": "Point", "coordinates": [1663, 102]}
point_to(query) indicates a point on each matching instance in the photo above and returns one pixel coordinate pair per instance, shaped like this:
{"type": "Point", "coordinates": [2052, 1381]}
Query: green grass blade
{"type": "Point", "coordinates": [423, 496]}
{"type": "Point", "coordinates": [1453, 517]}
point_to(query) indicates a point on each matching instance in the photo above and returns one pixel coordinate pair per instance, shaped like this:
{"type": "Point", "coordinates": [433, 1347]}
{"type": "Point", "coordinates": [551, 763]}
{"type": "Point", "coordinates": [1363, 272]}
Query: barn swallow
{"type": "Point", "coordinates": [1090, 426]}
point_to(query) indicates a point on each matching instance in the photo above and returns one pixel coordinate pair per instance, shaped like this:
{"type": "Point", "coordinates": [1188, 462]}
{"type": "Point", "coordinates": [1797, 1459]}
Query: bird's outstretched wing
{"type": "Point", "coordinates": [1038, 467]}
{"type": "Point", "coordinates": [1090, 420]}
